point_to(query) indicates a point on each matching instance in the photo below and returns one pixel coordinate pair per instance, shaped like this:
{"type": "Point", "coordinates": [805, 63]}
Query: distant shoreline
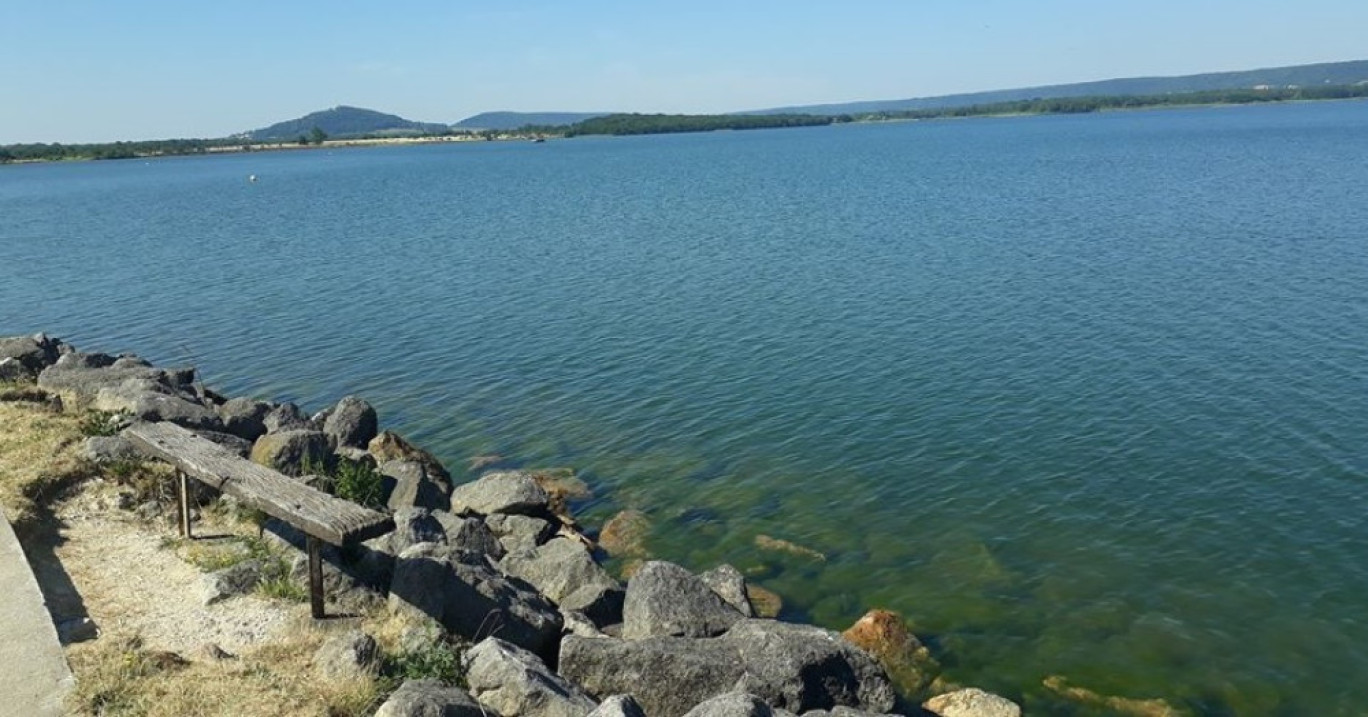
{"type": "Point", "coordinates": [644, 124]}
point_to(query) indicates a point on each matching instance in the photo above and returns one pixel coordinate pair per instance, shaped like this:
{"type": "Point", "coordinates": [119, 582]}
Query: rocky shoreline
{"type": "Point", "coordinates": [502, 562]}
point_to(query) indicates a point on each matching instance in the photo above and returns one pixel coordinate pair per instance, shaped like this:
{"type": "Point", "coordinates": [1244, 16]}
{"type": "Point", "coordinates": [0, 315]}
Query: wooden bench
{"type": "Point", "coordinates": [321, 517]}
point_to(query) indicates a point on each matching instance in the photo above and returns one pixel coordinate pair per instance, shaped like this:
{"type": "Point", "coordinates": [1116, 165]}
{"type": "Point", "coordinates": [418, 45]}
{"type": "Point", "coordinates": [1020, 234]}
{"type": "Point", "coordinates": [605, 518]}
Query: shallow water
{"type": "Point", "coordinates": [1080, 396]}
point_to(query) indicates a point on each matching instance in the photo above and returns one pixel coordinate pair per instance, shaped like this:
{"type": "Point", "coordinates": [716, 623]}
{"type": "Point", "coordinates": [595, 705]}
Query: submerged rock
{"type": "Point", "coordinates": [764, 601]}
{"type": "Point", "coordinates": [624, 535]}
{"type": "Point", "coordinates": [1113, 704]}
{"type": "Point", "coordinates": [884, 635]}
{"type": "Point", "coordinates": [765, 542]}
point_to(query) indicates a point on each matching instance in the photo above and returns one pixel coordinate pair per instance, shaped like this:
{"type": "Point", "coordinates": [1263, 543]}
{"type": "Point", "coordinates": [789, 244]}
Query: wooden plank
{"type": "Point", "coordinates": [183, 503]}
{"type": "Point", "coordinates": [337, 521]}
{"type": "Point", "coordinates": [316, 577]}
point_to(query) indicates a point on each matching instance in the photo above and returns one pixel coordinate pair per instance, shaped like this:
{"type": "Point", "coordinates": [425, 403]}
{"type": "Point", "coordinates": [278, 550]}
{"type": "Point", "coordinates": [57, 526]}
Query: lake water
{"type": "Point", "coordinates": [1080, 396]}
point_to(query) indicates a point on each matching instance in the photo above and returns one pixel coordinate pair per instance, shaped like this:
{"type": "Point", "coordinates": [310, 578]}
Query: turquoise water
{"type": "Point", "coordinates": [1080, 396]}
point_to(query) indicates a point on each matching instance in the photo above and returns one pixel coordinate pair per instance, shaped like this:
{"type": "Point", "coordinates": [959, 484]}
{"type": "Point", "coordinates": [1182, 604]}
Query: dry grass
{"type": "Point", "coordinates": [119, 676]}
{"type": "Point", "coordinates": [39, 457]}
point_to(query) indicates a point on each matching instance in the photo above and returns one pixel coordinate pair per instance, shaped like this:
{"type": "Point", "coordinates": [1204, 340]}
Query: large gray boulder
{"type": "Point", "coordinates": [83, 375]}
{"type": "Point", "coordinates": [34, 353]}
{"type": "Point", "coordinates": [352, 422]}
{"type": "Point", "coordinates": [666, 675]}
{"type": "Point", "coordinates": [565, 572]}
{"type": "Point", "coordinates": [792, 667]}
{"type": "Point", "coordinates": [730, 585]}
{"type": "Point", "coordinates": [732, 704]}
{"type": "Point", "coordinates": [519, 532]}
{"type": "Point", "coordinates": [516, 682]}
{"type": "Point", "coordinates": [513, 492]}
{"type": "Point", "coordinates": [971, 702]}
{"type": "Point", "coordinates": [470, 534]}
{"type": "Point", "coordinates": [802, 667]}
{"type": "Point", "coordinates": [618, 706]}
{"type": "Point", "coordinates": [11, 369]}
{"type": "Point", "coordinates": [430, 698]}
{"type": "Point", "coordinates": [470, 597]}
{"type": "Point", "coordinates": [289, 451]}
{"type": "Point", "coordinates": [347, 656]}
{"type": "Point", "coordinates": [664, 599]}
{"type": "Point", "coordinates": [409, 484]}
{"type": "Point", "coordinates": [413, 526]}
{"type": "Point", "coordinates": [151, 401]}
{"type": "Point", "coordinates": [286, 417]}
{"type": "Point", "coordinates": [244, 417]}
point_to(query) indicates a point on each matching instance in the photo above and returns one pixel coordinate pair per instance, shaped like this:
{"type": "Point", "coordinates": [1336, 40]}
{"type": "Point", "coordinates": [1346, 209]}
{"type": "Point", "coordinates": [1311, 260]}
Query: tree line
{"type": "Point", "coordinates": [628, 124]}
{"type": "Point", "coordinates": [1082, 105]}
{"type": "Point", "coordinates": [635, 124]}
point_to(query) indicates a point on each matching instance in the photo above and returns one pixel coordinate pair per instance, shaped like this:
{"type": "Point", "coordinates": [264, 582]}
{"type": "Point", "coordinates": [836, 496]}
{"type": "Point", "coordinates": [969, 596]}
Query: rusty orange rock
{"type": "Point", "coordinates": [885, 635]}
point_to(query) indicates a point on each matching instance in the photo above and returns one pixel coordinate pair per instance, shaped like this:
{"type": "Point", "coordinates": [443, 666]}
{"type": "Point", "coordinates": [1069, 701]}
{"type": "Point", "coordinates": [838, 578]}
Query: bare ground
{"type": "Point", "coordinates": [132, 581]}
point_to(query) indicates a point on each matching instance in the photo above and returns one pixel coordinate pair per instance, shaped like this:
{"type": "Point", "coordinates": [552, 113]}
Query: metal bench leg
{"type": "Point", "coordinates": [316, 576]}
{"type": "Point", "coordinates": [183, 498]}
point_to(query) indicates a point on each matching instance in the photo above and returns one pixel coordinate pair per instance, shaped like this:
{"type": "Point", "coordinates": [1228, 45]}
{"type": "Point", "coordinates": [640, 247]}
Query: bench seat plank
{"type": "Point", "coordinates": [327, 517]}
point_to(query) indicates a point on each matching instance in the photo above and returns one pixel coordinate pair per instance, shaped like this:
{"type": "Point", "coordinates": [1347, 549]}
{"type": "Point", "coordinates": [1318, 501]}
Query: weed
{"type": "Point", "coordinates": [103, 423]}
{"type": "Point", "coordinates": [360, 483]}
{"type": "Point", "coordinates": [211, 557]}
{"type": "Point", "coordinates": [281, 587]}
{"type": "Point", "coordinates": [356, 481]}
{"type": "Point", "coordinates": [149, 480]}
{"type": "Point", "coordinates": [433, 657]}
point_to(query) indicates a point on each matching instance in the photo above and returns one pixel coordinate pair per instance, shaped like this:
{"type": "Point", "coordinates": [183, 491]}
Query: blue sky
{"type": "Point", "coordinates": [77, 70]}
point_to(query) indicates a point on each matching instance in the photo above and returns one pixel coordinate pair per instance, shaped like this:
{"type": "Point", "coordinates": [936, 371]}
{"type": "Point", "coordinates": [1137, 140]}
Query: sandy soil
{"type": "Point", "coordinates": [126, 576]}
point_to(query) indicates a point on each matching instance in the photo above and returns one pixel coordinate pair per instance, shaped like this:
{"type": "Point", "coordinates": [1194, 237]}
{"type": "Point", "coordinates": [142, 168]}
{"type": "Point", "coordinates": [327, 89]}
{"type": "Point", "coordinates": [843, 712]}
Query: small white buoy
{"type": "Point", "coordinates": [251, 178]}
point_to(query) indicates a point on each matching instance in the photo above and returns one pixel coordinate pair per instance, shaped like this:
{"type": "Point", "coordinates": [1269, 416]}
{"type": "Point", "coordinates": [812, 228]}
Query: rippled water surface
{"type": "Point", "coordinates": [1080, 396]}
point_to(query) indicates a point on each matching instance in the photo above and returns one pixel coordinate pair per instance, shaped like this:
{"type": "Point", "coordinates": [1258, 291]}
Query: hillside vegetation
{"type": "Point", "coordinates": [344, 121]}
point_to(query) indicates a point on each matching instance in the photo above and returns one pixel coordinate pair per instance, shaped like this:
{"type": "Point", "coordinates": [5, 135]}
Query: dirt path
{"type": "Point", "coordinates": [130, 581]}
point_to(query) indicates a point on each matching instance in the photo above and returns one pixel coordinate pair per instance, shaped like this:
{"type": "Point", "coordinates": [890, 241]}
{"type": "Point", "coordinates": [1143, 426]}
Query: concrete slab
{"type": "Point", "coordinates": [34, 676]}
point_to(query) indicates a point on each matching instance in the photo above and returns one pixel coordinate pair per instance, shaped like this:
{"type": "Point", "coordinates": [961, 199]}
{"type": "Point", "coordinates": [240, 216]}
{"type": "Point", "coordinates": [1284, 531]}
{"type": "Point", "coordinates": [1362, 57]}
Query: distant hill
{"type": "Point", "coordinates": [515, 120]}
{"type": "Point", "coordinates": [344, 121]}
{"type": "Point", "coordinates": [1334, 73]}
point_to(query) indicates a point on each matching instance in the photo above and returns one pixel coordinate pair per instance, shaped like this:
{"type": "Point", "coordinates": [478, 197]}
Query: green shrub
{"type": "Point", "coordinates": [360, 483]}
{"type": "Point", "coordinates": [434, 657]}
{"type": "Point", "coordinates": [103, 423]}
{"type": "Point", "coordinates": [356, 481]}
